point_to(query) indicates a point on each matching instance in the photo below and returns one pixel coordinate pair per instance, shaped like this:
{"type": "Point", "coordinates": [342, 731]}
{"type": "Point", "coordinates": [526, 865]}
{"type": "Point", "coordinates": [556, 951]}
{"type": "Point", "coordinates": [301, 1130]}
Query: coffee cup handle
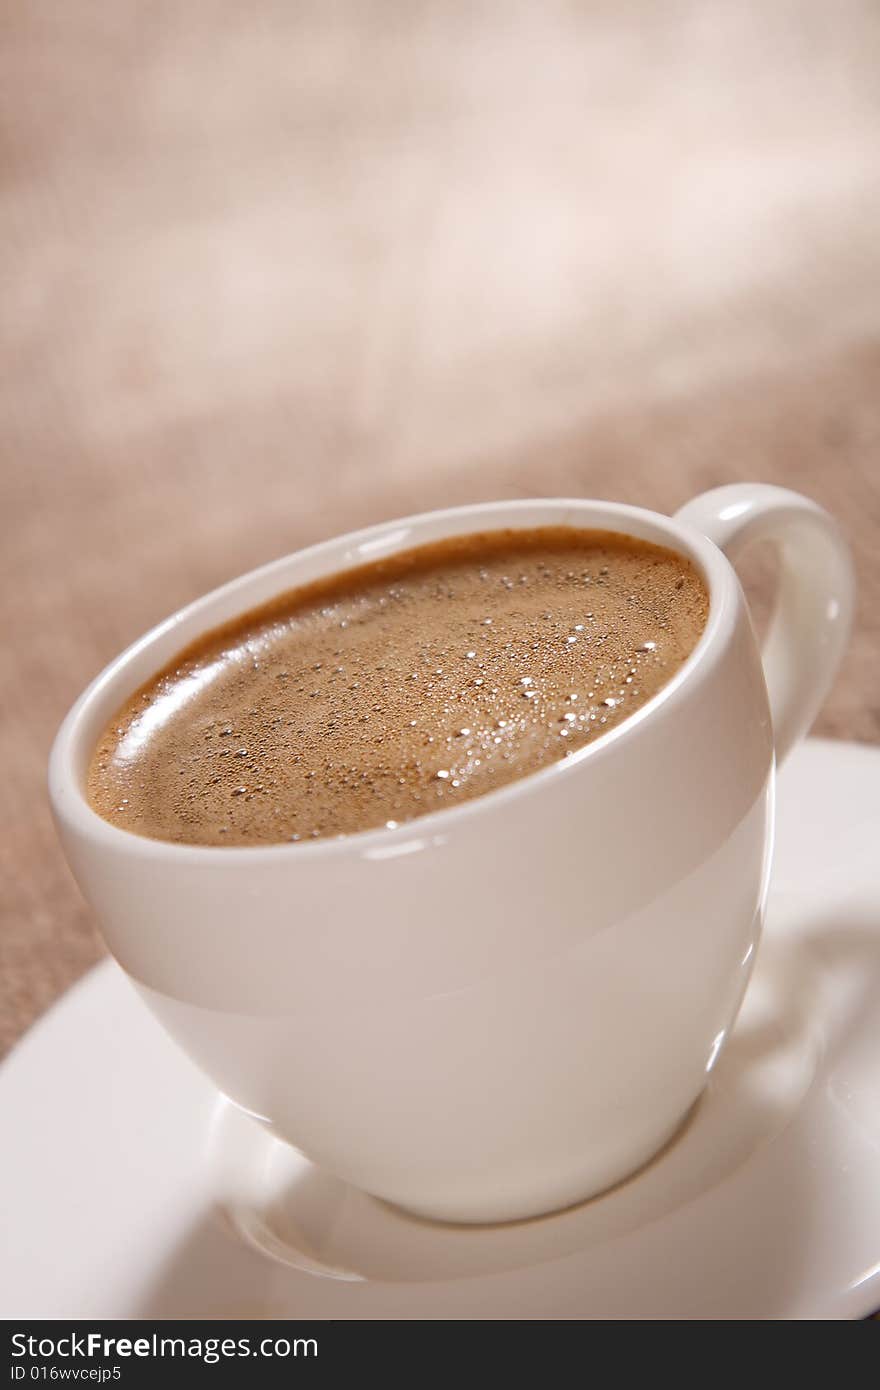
{"type": "Point", "coordinates": [815, 597]}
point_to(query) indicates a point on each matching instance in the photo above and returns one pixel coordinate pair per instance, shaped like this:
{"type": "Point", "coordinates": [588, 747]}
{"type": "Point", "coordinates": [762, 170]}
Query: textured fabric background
{"type": "Point", "coordinates": [273, 271]}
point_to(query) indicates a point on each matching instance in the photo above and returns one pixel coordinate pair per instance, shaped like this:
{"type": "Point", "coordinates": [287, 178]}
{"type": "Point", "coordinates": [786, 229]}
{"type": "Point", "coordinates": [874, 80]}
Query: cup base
{"type": "Point", "coordinates": [304, 1217]}
{"type": "Point", "coordinates": [562, 1197]}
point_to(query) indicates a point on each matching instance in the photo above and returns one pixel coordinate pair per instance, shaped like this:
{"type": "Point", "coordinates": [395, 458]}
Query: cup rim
{"type": "Point", "coordinates": [67, 795]}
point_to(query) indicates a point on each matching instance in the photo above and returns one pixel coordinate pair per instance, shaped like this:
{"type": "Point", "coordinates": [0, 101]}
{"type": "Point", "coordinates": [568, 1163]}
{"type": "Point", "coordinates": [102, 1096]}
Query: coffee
{"type": "Point", "coordinates": [403, 687]}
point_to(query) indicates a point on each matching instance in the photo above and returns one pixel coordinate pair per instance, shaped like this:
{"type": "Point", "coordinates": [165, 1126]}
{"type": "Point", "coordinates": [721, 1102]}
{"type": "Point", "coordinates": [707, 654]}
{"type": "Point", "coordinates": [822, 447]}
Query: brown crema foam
{"type": "Point", "coordinates": [399, 688]}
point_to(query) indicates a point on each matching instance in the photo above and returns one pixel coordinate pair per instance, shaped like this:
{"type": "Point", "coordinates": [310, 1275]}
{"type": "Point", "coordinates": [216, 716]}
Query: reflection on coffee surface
{"type": "Point", "coordinates": [399, 688]}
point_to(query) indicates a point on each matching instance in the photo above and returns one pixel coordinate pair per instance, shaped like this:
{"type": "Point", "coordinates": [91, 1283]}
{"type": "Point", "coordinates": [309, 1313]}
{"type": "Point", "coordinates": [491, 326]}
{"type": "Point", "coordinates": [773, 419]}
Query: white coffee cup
{"type": "Point", "coordinates": [502, 1008]}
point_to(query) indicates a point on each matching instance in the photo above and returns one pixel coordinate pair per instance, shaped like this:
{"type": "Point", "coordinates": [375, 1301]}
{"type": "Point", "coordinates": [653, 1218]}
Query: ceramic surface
{"type": "Point", "coordinates": [130, 1188]}
{"type": "Point", "coordinates": [499, 1009]}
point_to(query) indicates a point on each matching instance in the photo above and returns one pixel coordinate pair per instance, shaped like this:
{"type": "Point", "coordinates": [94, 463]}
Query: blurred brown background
{"type": "Point", "coordinates": [274, 271]}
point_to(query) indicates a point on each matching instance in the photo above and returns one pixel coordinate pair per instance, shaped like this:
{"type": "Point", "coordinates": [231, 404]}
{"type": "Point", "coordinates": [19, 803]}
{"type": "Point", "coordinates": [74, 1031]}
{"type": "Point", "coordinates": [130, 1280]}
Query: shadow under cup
{"type": "Point", "coordinates": [494, 1010]}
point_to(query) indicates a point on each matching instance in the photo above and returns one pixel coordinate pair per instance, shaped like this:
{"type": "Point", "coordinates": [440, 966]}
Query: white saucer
{"type": "Point", "coordinates": [130, 1189]}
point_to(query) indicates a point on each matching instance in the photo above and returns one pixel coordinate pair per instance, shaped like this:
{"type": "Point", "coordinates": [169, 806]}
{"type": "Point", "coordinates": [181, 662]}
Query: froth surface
{"type": "Point", "coordinates": [403, 687]}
